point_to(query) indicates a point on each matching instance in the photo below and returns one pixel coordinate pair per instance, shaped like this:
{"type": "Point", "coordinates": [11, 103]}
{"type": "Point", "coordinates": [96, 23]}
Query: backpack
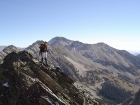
{"type": "Point", "coordinates": [41, 47]}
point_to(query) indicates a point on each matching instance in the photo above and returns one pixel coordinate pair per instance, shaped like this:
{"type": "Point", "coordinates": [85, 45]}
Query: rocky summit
{"type": "Point", "coordinates": [24, 81]}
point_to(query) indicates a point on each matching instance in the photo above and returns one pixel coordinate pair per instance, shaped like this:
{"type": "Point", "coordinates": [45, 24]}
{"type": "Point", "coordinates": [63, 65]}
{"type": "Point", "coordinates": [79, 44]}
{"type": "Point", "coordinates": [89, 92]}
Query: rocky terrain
{"type": "Point", "coordinates": [94, 68]}
{"type": "Point", "coordinates": [99, 64]}
{"type": "Point", "coordinates": [24, 81]}
{"type": "Point", "coordinates": [6, 51]}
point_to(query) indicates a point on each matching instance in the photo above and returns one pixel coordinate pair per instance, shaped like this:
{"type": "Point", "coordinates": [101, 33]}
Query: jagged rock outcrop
{"type": "Point", "coordinates": [24, 81]}
{"type": "Point", "coordinates": [6, 51]}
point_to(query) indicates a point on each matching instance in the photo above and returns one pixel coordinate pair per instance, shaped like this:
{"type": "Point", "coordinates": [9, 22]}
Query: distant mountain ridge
{"type": "Point", "coordinates": [99, 63]}
{"type": "Point", "coordinates": [138, 55]}
{"type": "Point", "coordinates": [94, 51]}
{"type": "Point", "coordinates": [2, 47]}
{"type": "Point", "coordinates": [6, 51]}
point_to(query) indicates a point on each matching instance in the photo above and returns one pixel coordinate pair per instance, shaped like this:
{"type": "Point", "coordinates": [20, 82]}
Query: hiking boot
{"type": "Point", "coordinates": [47, 64]}
{"type": "Point", "coordinates": [42, 60]}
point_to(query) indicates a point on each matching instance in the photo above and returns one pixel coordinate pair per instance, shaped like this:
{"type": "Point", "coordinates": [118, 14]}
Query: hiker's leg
{"type": "Point", "coordinates": [45, 53]}
{"type": "Point", "coordinates": [41, 53]}
{"type": "Point", "coordinates": [46, 61]}
{"type": "Point", "coordinates": [42, 60]}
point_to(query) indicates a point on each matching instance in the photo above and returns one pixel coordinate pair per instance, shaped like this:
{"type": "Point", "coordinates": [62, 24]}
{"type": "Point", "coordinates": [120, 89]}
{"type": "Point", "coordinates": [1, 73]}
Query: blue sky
{"type": "Point", "coordinates": [114, 22]}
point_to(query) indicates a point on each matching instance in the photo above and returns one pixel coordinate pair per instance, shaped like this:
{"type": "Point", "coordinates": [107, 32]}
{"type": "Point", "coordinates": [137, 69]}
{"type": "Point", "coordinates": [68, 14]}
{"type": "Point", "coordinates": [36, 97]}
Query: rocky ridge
{"type": "Point", "coordinates": [138, 55]}
{"type": "Point", "coordinates": [24, 81]}
{"type": "Point", "coordinates": [93, 65]}
{"type": "Point", "coordinates": [6, 51]}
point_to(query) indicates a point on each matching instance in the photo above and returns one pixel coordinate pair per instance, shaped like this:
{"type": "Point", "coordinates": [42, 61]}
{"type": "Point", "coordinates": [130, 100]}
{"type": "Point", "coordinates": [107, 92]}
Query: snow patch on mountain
{"type": "Point", "coordinates": [5, 84]}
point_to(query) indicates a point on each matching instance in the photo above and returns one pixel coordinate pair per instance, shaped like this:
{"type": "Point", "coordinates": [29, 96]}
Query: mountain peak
{"type": "Point", "coordinates": [101, 43]}
{"type": "Point", "coordinates": [10, 48]}
{"type": "Point", "coordinates": [60, 40]}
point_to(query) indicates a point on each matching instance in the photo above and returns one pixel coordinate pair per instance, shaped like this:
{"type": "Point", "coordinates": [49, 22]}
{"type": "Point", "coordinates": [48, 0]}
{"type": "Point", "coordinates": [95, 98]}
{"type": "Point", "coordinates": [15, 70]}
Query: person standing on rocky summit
{"type": "Point", "coordinates": [43, 52]}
